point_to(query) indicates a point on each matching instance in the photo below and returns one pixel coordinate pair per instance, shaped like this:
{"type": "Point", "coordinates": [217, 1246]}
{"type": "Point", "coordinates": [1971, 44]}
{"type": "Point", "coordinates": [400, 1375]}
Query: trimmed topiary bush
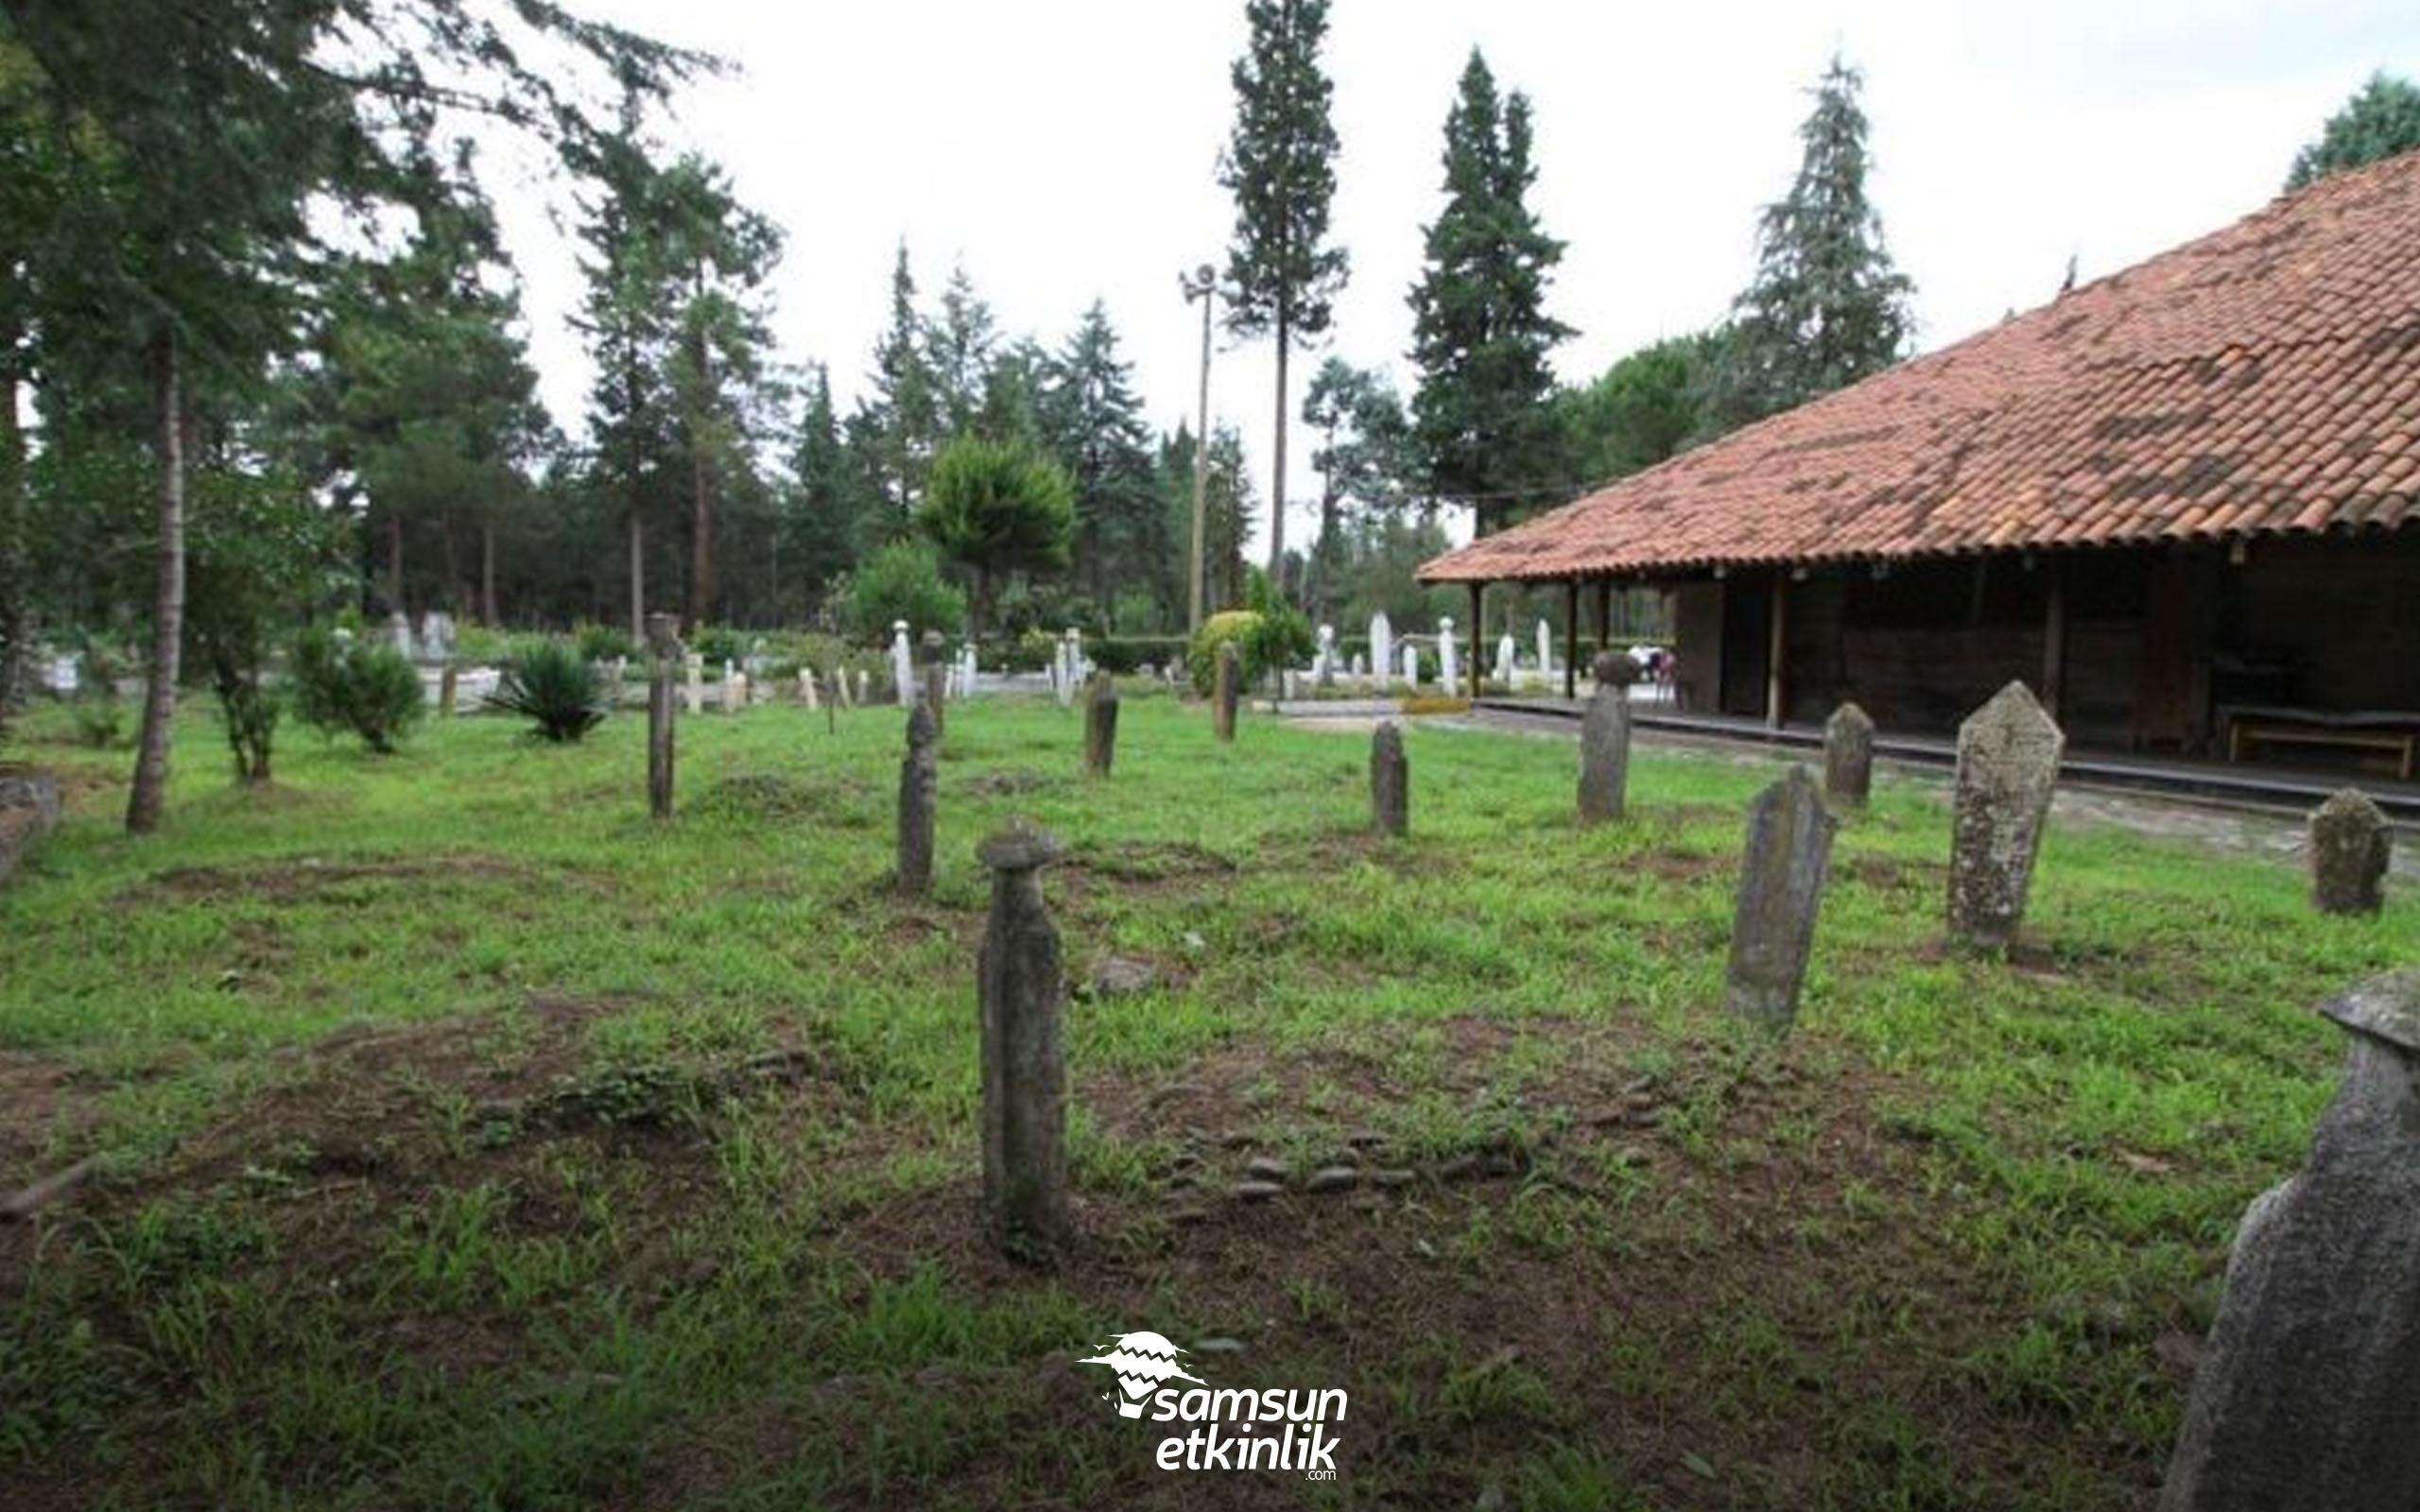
{"type": "Point", "coordinates": [557, 689]}
{"type": "Point", "coordinates": [1201, 659]}
{"type": "Point", "coordinates": [344, 686]}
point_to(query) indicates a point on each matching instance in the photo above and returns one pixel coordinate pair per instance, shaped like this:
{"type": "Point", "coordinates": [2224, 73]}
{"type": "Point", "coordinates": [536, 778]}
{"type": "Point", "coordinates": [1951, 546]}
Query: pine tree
{"type": "Point", "coordinates": [959, 354]}
{"type": "Point", "coordinates": [901, 416]}
{"type": "Point", "coordinates": [1280, 165]}
{"type": "Point", "coordinates": [1827, 306]}
{"type": "Point", "coordinates": [2381, 120]}
{"type": "Point", "coordinates": [1368, 463]}
{"type": "Point", "coordinates": [1480, 333]}
{"type": "Point", "coordinates": [1093, 421]}
{"type": "Point", "coordinates": [820, 522]}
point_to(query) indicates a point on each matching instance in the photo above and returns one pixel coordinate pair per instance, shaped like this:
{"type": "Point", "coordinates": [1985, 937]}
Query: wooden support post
{"type": "Point", "coordinates": [1777, 642]}
{"type": "Point", "coordinates": [1477, 590]}
{"type": "Point", "coordinates": [1604, 614]}
{"type": "Point", "coordinates": [1571, 638]}
{"type": "Point", "coordinates": [2054, 645]}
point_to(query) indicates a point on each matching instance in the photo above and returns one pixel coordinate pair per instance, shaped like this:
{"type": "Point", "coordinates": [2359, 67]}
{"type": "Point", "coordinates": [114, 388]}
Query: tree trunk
{"type": "Point", "coordinates": [1277, 472]}
{"type": "Point", "coordinates": [701, 544]}
{"type": "Point", "coordinates": [395, 561]}
{"type": "Point", "coordinates": [455, 597]}
{"type": "Point", "coordinates": [981, 601]}
{"type": "Point", "coordinates": [638, 576]}
{"type": "Point", "coordinates": [487, 571]}
{"type": "Point", "coordinates": [151, 788]}
{"type": "Point", "coordinates": [14, 590]}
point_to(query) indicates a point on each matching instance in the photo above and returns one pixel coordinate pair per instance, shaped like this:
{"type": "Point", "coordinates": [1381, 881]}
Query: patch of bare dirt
{"type": "Point", "coordinates": [308, 879]}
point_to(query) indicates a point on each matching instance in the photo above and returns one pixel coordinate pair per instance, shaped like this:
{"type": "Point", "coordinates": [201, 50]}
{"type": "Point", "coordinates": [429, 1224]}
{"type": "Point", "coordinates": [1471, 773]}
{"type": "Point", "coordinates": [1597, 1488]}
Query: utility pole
{"type": "Point", "coordinates": [1201, 284]}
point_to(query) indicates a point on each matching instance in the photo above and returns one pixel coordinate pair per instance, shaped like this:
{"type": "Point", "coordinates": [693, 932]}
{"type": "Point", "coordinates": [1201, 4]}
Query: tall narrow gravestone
{"type": "Point", "coordinates": [1449, 658]}
{"type": "Point", "coordinates": [1100, 725]}
{"type": "Point", "coordinates": [1848, 757]}
{"type": "Point", "coordinates": [2350, 846]}
{"type": "Point", "coordinates": [935, 683]}
{"type": "Point", "coordinates": [1781, 890]}
{"type": "Point", "coordinates": [1227, 690]}
{"type": "Point", "coordinates": [1389, 781]}
{"type": "Point", "coordinates": [2306, 1396]}
{"type": "Point", "coordinates": [1023, 998]}
{"type": "Point", "coordinates": [696, 692]}
{"type": "Point", "coordinates": [2007, 764]}
{"type": "Point", "coordinates": [448, 689]}
{"type": "Point", "coordinates": [919, 777]}
{"type": "Point", "coordinates": [1382, 648]}
{"type": "Point", "coordinates": [1605, 743]}
{"type": "Point", "coordinates": [663, 652]}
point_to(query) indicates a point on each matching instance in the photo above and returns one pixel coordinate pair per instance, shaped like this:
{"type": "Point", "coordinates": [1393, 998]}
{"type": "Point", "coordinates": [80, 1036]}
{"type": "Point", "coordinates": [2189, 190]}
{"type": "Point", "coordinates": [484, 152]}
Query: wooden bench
{"type": "Point", "coordinates": [2395, 735]}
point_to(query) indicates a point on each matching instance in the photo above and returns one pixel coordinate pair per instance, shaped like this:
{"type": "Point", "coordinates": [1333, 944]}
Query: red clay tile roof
{"type": "Point", "coordinates": [2264, 379]}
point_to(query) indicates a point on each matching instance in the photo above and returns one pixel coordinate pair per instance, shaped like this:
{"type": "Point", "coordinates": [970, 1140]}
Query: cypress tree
{"type": "Point", "coordinates": [1480, 333]}
{"type": "Point", "coordinates": [1280, 165]}
{"type": "Point", "coordinates": [1827, 306]}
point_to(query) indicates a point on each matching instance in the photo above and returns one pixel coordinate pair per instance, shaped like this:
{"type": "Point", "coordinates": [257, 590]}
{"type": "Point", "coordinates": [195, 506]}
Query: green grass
{"type": "Point", "coordinates": [470, 1141]}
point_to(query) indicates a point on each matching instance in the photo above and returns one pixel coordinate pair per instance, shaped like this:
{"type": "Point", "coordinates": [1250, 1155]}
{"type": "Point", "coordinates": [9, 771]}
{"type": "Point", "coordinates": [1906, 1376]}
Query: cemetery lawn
{"type": "Point", "coordinates": [468, 1140]}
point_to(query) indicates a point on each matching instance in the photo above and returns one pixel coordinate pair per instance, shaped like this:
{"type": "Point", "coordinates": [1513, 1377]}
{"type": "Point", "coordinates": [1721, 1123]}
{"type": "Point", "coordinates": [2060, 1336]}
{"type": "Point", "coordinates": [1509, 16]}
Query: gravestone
{"type": "Point", "coordinates": [1022, 997]}
{"type": "Point", "coordinates": [1504, 655]}
{"type": "Point", "coordinates": [663, 651]}
{"type": "Point", "coordinates": [1389, 781]}
{"type": "Point", "coordinates": [2350, 846]}
{"type": "Point", "coordinates": [735, 687]}
{"type": "Point", "coordinates": [2007, 765]}
{"type": "Point", "coordinates": [902, 664]}
{"type": "Point", "coordinates": [1410, 667]}
{"type": "Point", "coordinates": [865, 687]}
{"type": "Point", "coordinates": [1604, 753]}
{"type": "Point", "coordinates": [1546, 655]}
{"type": "Point", "coordinates": [1069, 670]}
{"type": "Point", "coordinates": [399, 635]}
{"type": "Point", "coordinates": [436, 635]}
{"type": "Point", "coordinates": [1781, 888]}
{"type": "Point", "coordinates": [1285, 684]}
{"type": "Point", "coordinates": [449, 679]}
{"type": "Point", "coordinates": [1848, 757]}
{"type": "Point", "coordinates": [966, 671]}
{"type": "Point", "coordinates": [695, 690]}
{"type": "Point", "coordinates": [1382, 648]}
{"type": "Point", "coordinates": [1323, 665]}
{"type": "Point", "coordinates": [2304, 1397]}
{"type": "Point", "coordinates": [1361, 668]}
{"type": "Point", "coordinates": [936, 688]}
{"type": "Point", "coordinates": [1100, 725]}
{"type": "Point", "coordinates": [806, 688]}
{"type": "Point", "coordinates": [919, 778]}
{"type": "Point", "coordinates": [841, 697]}
{"type": "Point", "coordinates": [29, 809]}
{"type": "Point", "coordinates": [1449, 657]}
{"type": "Point", "coordinates": [1226, 690]}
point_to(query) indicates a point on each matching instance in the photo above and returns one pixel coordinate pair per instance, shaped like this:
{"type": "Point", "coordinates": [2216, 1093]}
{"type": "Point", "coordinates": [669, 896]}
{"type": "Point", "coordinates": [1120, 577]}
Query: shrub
{"type": "Point", "coordinates": [903, 581]}
{"type": "Point", "coordinates": [1201, 660]}
{"type": "Point", "coordinates": [716, 644]}
{"type": "Point", "coordinates": [354, 687]}
{"type": "Point", "coordinates": [557, 689]}
{"type": "Point", "coordinates": [603, 642]}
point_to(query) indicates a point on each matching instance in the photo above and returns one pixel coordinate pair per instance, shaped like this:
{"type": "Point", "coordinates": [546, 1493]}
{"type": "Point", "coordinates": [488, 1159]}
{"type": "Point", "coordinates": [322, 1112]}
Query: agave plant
{"type": "Point", "coordinates": [555, 689]}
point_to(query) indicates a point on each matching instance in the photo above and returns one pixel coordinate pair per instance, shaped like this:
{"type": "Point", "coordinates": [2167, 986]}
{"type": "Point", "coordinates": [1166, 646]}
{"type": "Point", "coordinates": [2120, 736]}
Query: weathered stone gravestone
{"type": "Point", "coordinates": [936, 684]}
{"type": "Point", "coordinates": [2007, 765]}
{"type": "Point", "coordinates": [1848, 757]}
{"type": "Point", "coordinates": [1023, 1000]}
{"type": "Point", "coordinates": [2305, 1397]}
{"type": "Point", "coordinates": [1382, 647]}
{"type": "Point", "coordinates": [735, 687]}
{"type": "Point", "coordinates": [664, 651]}
{"type": "Point", "coordinates": [918, 780]}
{"type": "Point", "coordinates": [1449, 655]}
{"type": "Point", "coordinates": [806, 689]}
{"type": "Point", "coordinates": [1389, 781]}
{"type": "Point", "coordinates": [1781, 890]}
{"type": "Point", "coordinates": [1504, 654]}
{"type": "Point", "coordinates": [1410, 667]}
{"type": "Point", "coordinates": [2350, 846]}
{"type": "Point", "coordinates": [1546, 655]}
{"type": "Point", "coordinates": [1604, 748]}
{"type": "Point", "coordinates": [1226, 690]}
{"type": "Point", "coordinates": [449, 686]}
{"type": "Point", "coordinates": [1100, 725]}
{"type": "Point", "coordinates": [696, 690]}
{"type": "Point", "coordinates": [1324, 665]}
{"type": "Point", "coordinates": [29, 809]}
{"type": "Point", "coordinates": [841, 696]}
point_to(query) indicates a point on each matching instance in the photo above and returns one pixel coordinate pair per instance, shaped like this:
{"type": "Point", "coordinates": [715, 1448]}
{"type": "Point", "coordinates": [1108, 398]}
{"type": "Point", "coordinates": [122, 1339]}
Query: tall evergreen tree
{"type": "Point", "coordinates": [960, 345]}
{"type": "Point", "coordinates": [902, 417]}
{"type": "Point", "coordinates": [2381, 120]}
{"type": "Point", "coordinates": [1480, 333]}
{"type": "Point", "coordinates": [1093, 423]}
{"type": "Point", "coordinates": [1827, 306]}
{"type": "Point", "coordinates": [1280, 165]}
{"type": "Point", "coordinates": [821, 524]}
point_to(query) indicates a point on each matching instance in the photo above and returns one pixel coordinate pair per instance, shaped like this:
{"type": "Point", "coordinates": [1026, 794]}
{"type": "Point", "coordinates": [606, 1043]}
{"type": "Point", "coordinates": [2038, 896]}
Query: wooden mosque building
{"type": "Point", "coordinates": [2182, 502]}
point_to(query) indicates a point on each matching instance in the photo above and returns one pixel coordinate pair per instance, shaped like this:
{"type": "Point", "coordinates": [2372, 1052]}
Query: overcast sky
{"type": "Point", "coordinates": [1063, 150]}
